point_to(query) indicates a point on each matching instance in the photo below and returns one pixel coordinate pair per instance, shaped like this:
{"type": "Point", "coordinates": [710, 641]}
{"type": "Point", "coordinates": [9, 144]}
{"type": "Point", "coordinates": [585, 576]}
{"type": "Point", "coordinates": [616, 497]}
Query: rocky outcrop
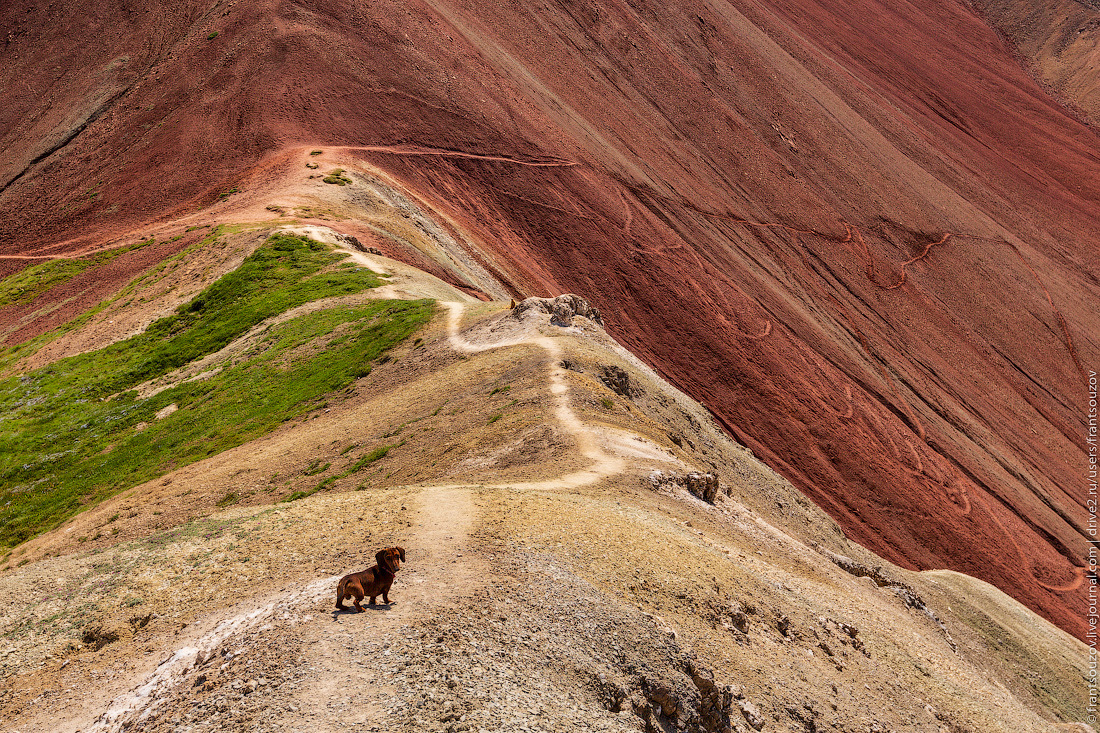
{"type": "Point", "coordinates": [903, 591]}
{"type": "Point", "coordinates": [617, 380]}
{"type": "Point", "coordinates": [562, 309]}
{"type": "Point", "coordinates": [704, 486]}
{"type": "Point", "coordinates": [682, 696]}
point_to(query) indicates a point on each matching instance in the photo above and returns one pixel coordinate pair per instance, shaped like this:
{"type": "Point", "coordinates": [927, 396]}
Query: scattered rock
{"type": "Point", "coordinates": [139, 622]}
{"type": "Point", "coordinates": [166, 411]}
{"type": "Point", "coordinates": [783, 624]}
{"type": "Point", "coordinates": [907, 595]}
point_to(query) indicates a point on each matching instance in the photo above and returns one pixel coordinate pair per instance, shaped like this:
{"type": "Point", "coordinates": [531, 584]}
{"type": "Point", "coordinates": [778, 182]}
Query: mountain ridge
{"type": "Point", "coordinates": [783, 208]}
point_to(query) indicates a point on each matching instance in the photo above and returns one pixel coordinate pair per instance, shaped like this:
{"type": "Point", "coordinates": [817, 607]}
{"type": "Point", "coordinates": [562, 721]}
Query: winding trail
{"type": "Point", "coordinates": [545, 162]}
{"type": "Point", "coordinates": [440, 572]}
{"type": "Point", "coordinates": [603, 465]}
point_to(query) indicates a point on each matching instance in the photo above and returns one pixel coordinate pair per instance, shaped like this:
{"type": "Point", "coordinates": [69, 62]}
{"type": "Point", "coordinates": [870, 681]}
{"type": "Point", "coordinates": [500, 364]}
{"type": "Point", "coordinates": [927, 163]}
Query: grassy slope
{"type": "Point", "coordinates": [26, 285]}
{"type": "Point", "coordinates": [74, 432]}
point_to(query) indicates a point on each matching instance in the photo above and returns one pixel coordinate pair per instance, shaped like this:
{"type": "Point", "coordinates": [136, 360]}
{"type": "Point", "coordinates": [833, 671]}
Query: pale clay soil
{"type": "Point", "coordinates": [548, 587]}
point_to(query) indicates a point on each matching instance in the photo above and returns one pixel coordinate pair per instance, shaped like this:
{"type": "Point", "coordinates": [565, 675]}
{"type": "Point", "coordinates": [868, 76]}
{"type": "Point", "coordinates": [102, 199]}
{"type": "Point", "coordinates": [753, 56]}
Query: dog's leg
{"type": "Point", "coordinates": [340, 602]}
{"type": "Point", "coordinates": [340, 596]}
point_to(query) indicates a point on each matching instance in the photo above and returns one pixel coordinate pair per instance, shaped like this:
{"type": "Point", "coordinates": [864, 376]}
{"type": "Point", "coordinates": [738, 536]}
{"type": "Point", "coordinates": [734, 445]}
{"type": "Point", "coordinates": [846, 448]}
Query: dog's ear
{"type": "Point", "coordinates": [380, 558]}
{"type": "Point", "coordinates": [401, 552]}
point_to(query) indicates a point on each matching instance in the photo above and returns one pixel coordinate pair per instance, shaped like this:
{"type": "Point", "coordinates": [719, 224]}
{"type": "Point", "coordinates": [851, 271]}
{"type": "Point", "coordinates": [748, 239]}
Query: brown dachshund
{"type": "Point", "coordinates": [373, 581]}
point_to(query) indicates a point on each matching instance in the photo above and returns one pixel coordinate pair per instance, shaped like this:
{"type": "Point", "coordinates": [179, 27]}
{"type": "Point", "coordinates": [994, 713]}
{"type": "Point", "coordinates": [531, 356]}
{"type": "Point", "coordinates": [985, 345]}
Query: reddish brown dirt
{"type": "Point", "coordinates": [1058, 40]}
{"type": "Point", "coordinates": [65, 301]}
{"type": "Point", "coordinates": [859, 232]}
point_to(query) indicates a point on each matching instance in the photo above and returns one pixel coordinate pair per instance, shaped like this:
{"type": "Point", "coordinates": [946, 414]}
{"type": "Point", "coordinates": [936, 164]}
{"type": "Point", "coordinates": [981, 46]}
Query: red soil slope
{"type": "Point", "coordinates": [859, 232]}
{"type": "Point", "coordinates": [1059, 40]}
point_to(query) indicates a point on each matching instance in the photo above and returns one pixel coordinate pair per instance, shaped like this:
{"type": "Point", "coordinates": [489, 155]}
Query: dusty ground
{"type": "Point", "coordinates": [548, 585]}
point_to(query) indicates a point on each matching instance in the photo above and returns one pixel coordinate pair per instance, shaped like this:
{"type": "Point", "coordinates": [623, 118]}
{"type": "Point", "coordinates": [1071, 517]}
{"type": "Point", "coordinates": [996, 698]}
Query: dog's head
{"type": "Point", "coordinates": [390, 558]}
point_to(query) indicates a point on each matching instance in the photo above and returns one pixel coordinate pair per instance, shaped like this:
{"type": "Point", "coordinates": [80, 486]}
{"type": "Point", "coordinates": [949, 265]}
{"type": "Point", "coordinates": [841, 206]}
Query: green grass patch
{"type": "Point", "coordinates": [67, 432]}
{"type": "Point", "coordinates": [9, 355]}
{"type": "Point", "coordinates": [505, 388]}
{"type": "Point", "coordinates": [231, 497]}
{"type": "Point", "coordinates": [495, 417]}
{"type": "Point", "coordinates": [373, 457]}
{"type": "Point", "coordinates": [24, 286]}
{"type": "Point", "coordinates": [315, 468]}
{"type": "Point", "coordinates": [337, 176]}
{"type": "Point", "coordinates": [607, 403]}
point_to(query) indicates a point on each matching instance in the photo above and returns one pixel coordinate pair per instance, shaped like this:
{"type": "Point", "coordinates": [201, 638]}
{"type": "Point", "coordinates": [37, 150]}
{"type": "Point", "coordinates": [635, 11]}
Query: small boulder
{"type": "Point", "coordinates": [618, 381]}
{"type": "Point", "coordinates": [702, 485]}
{"type": "Point", "coordinates": [752, 714]}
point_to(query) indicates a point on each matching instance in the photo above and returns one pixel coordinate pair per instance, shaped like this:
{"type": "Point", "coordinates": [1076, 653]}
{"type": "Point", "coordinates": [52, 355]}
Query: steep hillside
{"type": "Point", "coordinates": [1059, 41]}
{"type": "Point", "coordinates": [567, 568]}
{"type": "Point", "coordinates": [858, 232]}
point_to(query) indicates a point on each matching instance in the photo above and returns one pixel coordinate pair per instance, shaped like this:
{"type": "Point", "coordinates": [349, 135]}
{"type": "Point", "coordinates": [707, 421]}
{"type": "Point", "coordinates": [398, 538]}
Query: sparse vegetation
{"type": "Point", "coordinates": [60, 420]}
{"type": "Point", "coordinates": [505, 388]}
{"type": "Point", "coordinates": [373, 457]}
{"type": "Point", "coordinates": [212, 35]}
{"type": "Point", "coordinates": [337, 177]}
{"type": "Point", "coordinates": [315, 468]}
{"type": "Point", "coordinates": [231, 497]}
{"type": "Point", "coordinates": [607, 403]}
{"type": "Point", "coordinates": [316, 152]}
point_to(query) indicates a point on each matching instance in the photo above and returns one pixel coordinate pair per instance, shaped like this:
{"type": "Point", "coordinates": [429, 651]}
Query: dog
{"type": "Point", "coordinates": [374, 581]}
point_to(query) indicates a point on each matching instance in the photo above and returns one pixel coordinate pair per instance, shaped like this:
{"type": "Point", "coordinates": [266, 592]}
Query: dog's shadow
{"type": "Point", "coordinates": [383, 607]}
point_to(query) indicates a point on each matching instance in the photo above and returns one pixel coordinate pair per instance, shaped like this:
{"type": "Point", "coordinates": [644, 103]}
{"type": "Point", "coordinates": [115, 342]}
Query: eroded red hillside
{"type": "Point", "coordinates": [859, 232]}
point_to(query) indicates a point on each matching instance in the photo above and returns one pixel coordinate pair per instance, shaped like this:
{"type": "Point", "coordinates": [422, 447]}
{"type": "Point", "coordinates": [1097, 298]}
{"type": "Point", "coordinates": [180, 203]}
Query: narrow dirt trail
{"type": "Point", "coordinates": [340, 687]}
{"type": "Point", "coordinates": [603, 464]}
{"type": "Point", "coordinates": [346, 689]}
{"type": "Point", "coordinates": [440, 569]}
